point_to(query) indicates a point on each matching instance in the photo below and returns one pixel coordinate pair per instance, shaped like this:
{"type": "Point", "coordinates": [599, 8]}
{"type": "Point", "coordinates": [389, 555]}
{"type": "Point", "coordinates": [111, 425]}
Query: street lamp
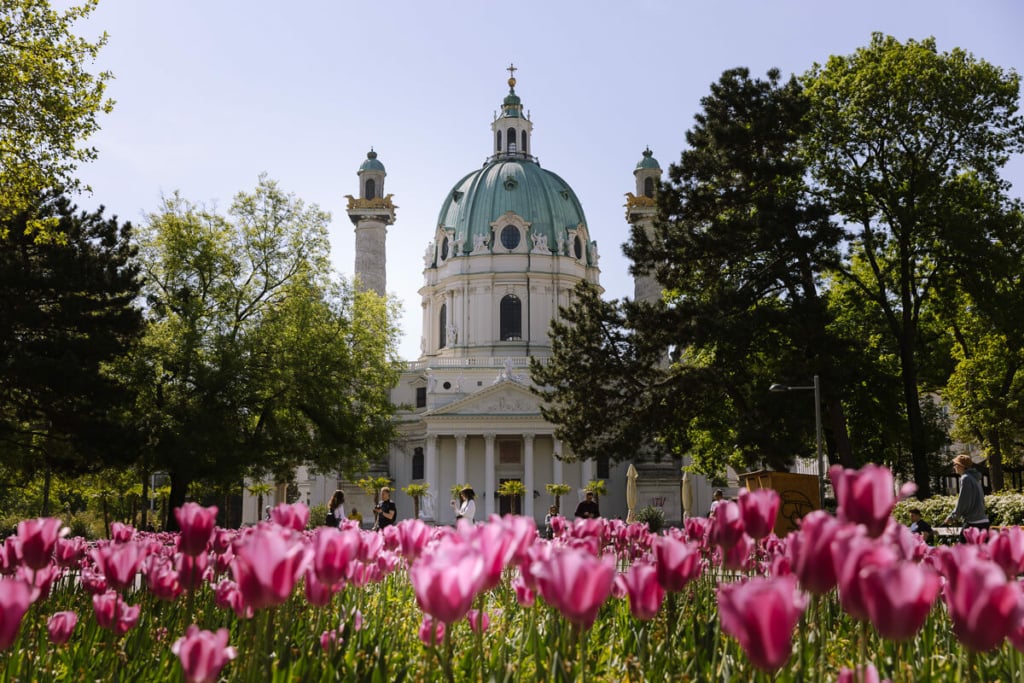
{"type": "Point", "coordinates": [816, 387]}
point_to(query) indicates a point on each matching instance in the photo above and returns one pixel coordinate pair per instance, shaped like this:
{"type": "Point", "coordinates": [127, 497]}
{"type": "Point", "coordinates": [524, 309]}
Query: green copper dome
{"type": "Point", "coordinates": [539, 196]}
{"type": "Point", "coordinates": [371, 163]}
{"type": "Point", "coordinates": [648, 161]}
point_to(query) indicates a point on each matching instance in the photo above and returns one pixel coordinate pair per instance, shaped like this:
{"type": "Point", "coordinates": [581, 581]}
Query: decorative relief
{"type": "Point", "coordinates": [509, 404]}
{"type": "Point", "coordinates": [375, 203]}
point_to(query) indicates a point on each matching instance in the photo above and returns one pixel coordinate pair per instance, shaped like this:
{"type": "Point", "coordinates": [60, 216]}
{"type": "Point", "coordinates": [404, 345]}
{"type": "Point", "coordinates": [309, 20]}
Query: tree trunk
{"type": "Point", "coordinates": [915, 422]}
{"type": "Point", "coordinates": [416, 507]}
{"type": "Point", "coordinates": [179, 487]}
{"type": "Point", "coordinates": [144, 517]}
{"type": "Point", "coordinates": [995, 462]}
{"type": "Point", "coordinates": [106, 516]}
{"type": "Point", "coordinates": [47, 479]}
{"type": "Point", "coordinates": [840, 437]}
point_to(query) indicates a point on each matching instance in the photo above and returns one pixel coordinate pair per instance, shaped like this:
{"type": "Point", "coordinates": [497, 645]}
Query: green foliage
{"type": "Point", "coordinates": [1004, 509]}
{"type": "Point", "coordinates": [512, 488]}
{"type": "Point", "coordinates": [49, 102]}
{"type": "Point", "coordinates": [597, 487]}
{"type": "Point", "coordinates": [317, 516]}
{"type": "Point", "coordinates": [653, 517]}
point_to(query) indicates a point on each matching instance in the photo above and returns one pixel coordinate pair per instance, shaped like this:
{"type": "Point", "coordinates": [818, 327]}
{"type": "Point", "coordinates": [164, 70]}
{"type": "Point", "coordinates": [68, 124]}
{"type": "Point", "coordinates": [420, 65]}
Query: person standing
{"type": "Point", "coordinates": [466, 508]}
{"type": "Point", "coordinates": [718, 499]}
{"type": "Point", "coordinates": [336, 508]}
{"type": "Point", "coordinates": [385, 512]}
{"type": "Point", "coordinates": [587, 509]}
{"type": "Point", "coordinates": [970, 504]}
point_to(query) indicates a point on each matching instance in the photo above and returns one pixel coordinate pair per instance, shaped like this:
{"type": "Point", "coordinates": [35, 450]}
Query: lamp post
{"type": "Point", "coordinates": [816, 388]}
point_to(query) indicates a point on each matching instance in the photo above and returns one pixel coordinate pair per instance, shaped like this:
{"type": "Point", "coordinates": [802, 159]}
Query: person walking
{"type": "Point", "coordinates": [336, 509]}
{"type": "Point", "coordinates": [970, 504]}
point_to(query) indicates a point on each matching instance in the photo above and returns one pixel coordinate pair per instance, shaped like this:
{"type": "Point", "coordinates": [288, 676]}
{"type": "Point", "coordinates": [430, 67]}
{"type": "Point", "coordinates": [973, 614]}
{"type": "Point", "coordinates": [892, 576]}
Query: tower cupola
{"type": "Point", "coordinates": [512, 127]}
{"type": "Point", "coordinates": [371, 213]}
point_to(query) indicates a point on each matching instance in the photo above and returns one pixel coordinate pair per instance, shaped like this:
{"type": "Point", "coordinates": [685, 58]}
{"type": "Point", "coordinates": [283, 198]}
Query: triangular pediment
{"type": "Point", "coordinates": [505, 398]}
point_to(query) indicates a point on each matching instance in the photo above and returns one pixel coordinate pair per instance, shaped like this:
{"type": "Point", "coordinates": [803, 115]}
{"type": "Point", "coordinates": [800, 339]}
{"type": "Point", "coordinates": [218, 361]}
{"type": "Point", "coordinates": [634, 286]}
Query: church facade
{"type": "Point", "coordinates": [510, 243]}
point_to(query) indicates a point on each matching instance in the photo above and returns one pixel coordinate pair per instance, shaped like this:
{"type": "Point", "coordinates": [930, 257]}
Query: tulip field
{"type": "Point", "coordinates": [850, 597]}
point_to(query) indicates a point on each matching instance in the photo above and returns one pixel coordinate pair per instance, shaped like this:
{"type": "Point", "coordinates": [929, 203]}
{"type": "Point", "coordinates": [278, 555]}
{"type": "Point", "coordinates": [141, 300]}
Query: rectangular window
{"type": "Point", "coordinates": [421, 397]}
{"type": "Point", "coordinates": [508, 453]}
{"type": "Point", "coordinates": [603, 467]}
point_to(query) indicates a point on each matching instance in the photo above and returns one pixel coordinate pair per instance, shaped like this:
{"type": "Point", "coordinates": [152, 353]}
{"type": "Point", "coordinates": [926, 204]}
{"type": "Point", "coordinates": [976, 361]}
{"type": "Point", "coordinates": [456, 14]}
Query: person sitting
{"type": "Point", "coordinates": [355, 515]}
{"type": "Point", "coordinates": [587, 509]}
{"type": "Point", "coordinates": [919, 526]}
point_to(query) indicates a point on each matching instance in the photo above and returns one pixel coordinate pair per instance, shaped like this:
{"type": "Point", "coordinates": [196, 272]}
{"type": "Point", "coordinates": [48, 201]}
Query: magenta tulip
{"type": "Point", "coordinates": [853, 552]}
{"type": "Point", "coordinates": [268, 564]}
{"type": "Point", "coordinates": [294, 516]}
{"type": "Point", "coordinates": [60, 626]}
{"type": "Point", "coordinates": [121, 533]}
{"type": "Point", "coordinates": [899, 597]}
{"type": "Point", "coordinates": [810, 552]}
{"type": "Point", "coordinates": [333, 550]}
{"type": "Point", "coordinates": [575, 583]}
{"type": "Point", "coordinates": [413, 535]}
{"type": "Point", "coordinates": [196, 523]}
{"type": "Point", "coordinates": [38, 538]}
{"type": "Point", "coordinates": [1007, 550]}
{"type": "Point", "coordinates": [644, 591]}
{"type": "Point", "coordinates": [864, 673]}
{"type": "Point", "coordinates": [203, 654]}
{"type": "Point", "coordinates": [431, 631]}
{"type": "Point", "coordinates": [983, 605]}
{"type": "Point", "coordinates": [677, 563]}
{"type": "Point", "coordinates": [114, 614]}
{"type": "Point", "coordinates": [759, 508]}
{"type": "Point", "coordinates": [15, 598]}
{"type": "Point", "coordinates": [119, 563]}
{"type": "Point", "coordinates": [478, 621]}
{"type": "Point", "coordinates": [317, 594]}
{"type": "Point", "coordinates": [865, 496]}
{"type": "Point", "coordinates": [762, 614]}
{"type": "Point", "coordinates": [447, 580]}
{"type": "Point", "coordinates": [737, 558]}
{"type": "Point", "coordinates": [726, 527]}
{"type": "Point", "coordinates": [69, 551]}
{"type": "Point", "coordinates": [524, 595]}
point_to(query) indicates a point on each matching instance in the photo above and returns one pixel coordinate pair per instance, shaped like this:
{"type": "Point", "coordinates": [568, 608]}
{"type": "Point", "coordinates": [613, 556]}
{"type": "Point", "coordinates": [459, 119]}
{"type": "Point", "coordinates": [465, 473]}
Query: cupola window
{"type": "Point", "coordinates": [577, 247]}
{"type": "Point", "coordinates": [498, 141]}
{"type": "Point", "coordinates": [511, 140]}
{"type": "Point", "coordinates": [511, 312]}
{"type": "Point", "coordinates": [523, 141]}
{"type": "Point", "coordinates": [510, 237]}
{"type": "Point", "coordinates": [444, 249]}
{"type": "Point", "coordinates": [442, 326]}
{"type": "Point", "coordinates": [648, 187]}
{"type": "Point", "coordinates": [371, 188]}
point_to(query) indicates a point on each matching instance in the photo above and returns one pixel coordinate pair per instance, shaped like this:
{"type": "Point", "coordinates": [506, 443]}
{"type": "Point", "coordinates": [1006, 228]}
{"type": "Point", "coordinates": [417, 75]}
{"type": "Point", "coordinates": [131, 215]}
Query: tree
{"type": "Point", "coordinates": [49, 102]}
{"type": "Point", "coordinates": [903, 139]}
{"type": "Point", "coordinates": [416, 492]}
{"type": "Point", "coordinates": [558, 490]}
{"type": "Point", "coordinates": [68, 312]}
{"type": "Point", "coordinates": [255, 360]}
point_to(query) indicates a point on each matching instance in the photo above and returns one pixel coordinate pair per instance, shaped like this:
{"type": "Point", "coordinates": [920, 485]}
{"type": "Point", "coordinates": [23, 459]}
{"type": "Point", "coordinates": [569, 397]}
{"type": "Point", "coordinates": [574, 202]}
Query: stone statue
{"type": "Point", "coordinates": [594, 257]}
{"type": "Point", "coordinates": [431, 381]}
{"type": "Point", "coordinates": [540, 243]}
{"type": "Point", "coordinates": [423, 344]}
{"type": "Point", "coordinates": [561, 244]}
{"type": "Point", "coordinates": [456, 248]}
{"type": "Point", "coordinates": [507, 373]}
{"type": "Point", "coordinates": [428, 255]}
{"type": "Point", "coordinates": [479, 243]}
{"type": "Point", "coordinates": [459, 382]}
{"type": "Point", "coordinates": [452, 334]}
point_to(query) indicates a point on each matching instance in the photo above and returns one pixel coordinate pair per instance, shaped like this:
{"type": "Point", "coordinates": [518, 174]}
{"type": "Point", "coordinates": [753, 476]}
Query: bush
{"type": "Point", "coordinates": [653, 517]}
{"type": "Point", "coordinates": [317, 516]}
{"type": "Point", "coordinates": [1004, 509]}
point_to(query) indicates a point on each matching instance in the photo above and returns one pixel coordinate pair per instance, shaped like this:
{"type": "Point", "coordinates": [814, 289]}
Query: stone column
{"type": "Point", "coordinates": [489, 486]}
{"type": "Point", "coordinates": [586, 472]}
{"type": "Point", "coordinates": [432, 473]}
{"type": "Point", "coordinates": [556, 475]}
{"type": "Point", "coordinates": [528, 474]}
{"type": "Point", "coordinates": [460, 458]}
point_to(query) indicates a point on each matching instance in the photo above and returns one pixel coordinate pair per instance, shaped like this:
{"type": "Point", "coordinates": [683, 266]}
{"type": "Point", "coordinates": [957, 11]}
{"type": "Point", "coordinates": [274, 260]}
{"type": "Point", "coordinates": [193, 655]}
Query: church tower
{"type": "Point", "coordinates": [641, 210]}
{"type": "Point", "coordinates": [371, 214]}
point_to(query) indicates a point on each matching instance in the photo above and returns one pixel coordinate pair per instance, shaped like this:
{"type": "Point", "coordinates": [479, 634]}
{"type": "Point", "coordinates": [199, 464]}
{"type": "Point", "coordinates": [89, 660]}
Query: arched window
{"type": "Point", "coordinates": [371, 187]}
{"type": "Point", "coordinates": [444, 249]}
{"type": "Point", "coordinates": [417, 463]}
{"type": "Point", "coordinates": [442, 321]}
{"type": "Point", "coordinates": [511, 137]}
{"type": "Point", "coordinates": [498, 142]}
{"type": "Point", "coordinates": [648, 187]}
{"type": "Point", "coordinates": [577, 247]}
{"type": "Point", "coordinates": [522, 143]}
{"type": "Point", "coordinates": [511, 311]}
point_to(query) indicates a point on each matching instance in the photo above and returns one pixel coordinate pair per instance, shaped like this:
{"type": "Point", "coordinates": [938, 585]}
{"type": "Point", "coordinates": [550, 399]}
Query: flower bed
{"type": "Point", "coordinates": [719, 600]}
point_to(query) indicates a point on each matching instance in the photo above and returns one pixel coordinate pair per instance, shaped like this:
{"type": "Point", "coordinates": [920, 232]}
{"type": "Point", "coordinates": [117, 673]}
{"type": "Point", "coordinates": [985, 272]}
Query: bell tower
{"type": "Point", "coordinates": [641, 210]}
{"type": "Point", "coordinates": [371, 214]}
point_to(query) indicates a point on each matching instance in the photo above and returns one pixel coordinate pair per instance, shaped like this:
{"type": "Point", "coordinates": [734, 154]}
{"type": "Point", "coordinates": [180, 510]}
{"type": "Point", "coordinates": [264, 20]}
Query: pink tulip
{"type": "Point", "coordinates": [1007, 550]}
{"type": "Point", "coordinates": [737, 558]}
{"type": "Point", "coordinates": [853, 552]}
{"type": "Point", "coordinates": [162, 580]}
{"type": "Point", "coordinates": [10, 555]}
{"type": "Point", "coordinates": [196, 523]}
{"type": "Point", "coordinates": [865, 496]}
{"type": "Point", "coordinates": [575, 582]}
{"type": "Point", "coordinates": [644, 591]}
{"type": "Point", "coordinates": [494, 543]}
{"type": "Point", "coordinates": [810, 552]}
{"type": "Point", "coordinates": [726, 527]}
{"type": "Point", "coordinates": [121, 533]}
{"type": "Point", "coordinates": [759, 508]}
{"type": "Point", "coordinates": [677, 563]}
{"type": "Point", "coordinates": [93, 581]}
{"type": "Point", "coordinates": [431, 631]}
{"type": "Point", "coordinates": [333, 550]}
{"type": "Point", "coordinates": [69, 551]}
{"type": "Point", "coordinates": [38, 537]}
{"type": "Point", "coordinates": [317, 594]}
{"type": "Point", "coordinates": [865, 673]}
{"type": "Point", "coordinates": [114, 614]}
{"type": "Point", "coordinates": [191, 570]}
{"type": "Point", "coordinates": [60, 626]}
{"type": "Point", "coordinates": [413, 535]}
{"type": "Point", "coordinates": [268, 564]}
{"type": "Point", "coordinates": [15, 598]}
{"type": "Point", "coordinates": [294, 516]}
{"type": "Point", "coordinates": [983, 606]}
{"type": "Point", "coordinates": [447, 580]}
{"type": "Point", "coordinates": [762, 614]}
{"type": "Point", "coordinates": [119, 563]}
{"type": "Point", "coordinates": [40, 579]}
{"type": "Point", "coordinates": [899, 597]}
{"type": "Point", "coordinates": [524, 596]}
{"type": "Point", "coordinates": [203, 654]}
{"type": "Point", "coordinates": [976, 536]}
{"type": "Point", "coordinates": [370, 545]}
{"type": "Point", "coordinates": [329, 640]}
{"type": "Point", "coordinates": [478, 620]}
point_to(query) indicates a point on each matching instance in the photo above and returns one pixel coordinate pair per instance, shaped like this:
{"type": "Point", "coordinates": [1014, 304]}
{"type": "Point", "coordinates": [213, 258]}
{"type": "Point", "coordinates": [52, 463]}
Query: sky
{"type": "Point", "coordinates": [212, 93]}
